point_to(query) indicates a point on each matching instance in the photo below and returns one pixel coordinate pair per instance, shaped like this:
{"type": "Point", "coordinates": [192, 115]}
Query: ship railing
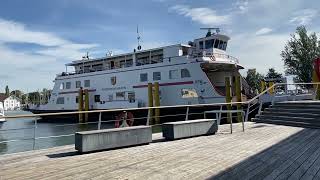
{"type": "Point", "coordinates": [251, 107]}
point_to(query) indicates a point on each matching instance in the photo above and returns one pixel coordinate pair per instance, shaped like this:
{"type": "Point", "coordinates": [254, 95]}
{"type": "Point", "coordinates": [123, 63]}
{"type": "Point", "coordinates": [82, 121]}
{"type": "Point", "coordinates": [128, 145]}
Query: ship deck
{"type": "Point", "coordinates": [262, 151]}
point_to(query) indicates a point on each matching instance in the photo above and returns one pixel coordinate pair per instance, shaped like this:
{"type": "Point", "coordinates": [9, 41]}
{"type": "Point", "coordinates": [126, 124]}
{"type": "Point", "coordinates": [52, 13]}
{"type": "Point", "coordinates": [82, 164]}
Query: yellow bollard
{"type": "Point", "coordinates": [315, 79]}
{"type": "Point", "coordinates": [150, 102]}
{"type": "Point", "coordinates": [156, 102]}
{"type": "Point", "coordinates": [271, 91]}
{"type": "Point", "coordinates": [86, 104]}
{"type": "Point", "coordinates": [238, 94]}
{"type": "Point", "coordinates": [263, 86]}
{"type": "Point", "coordinates": [80, 105]}
{"type": "Point", "coordinates": [228, 96]}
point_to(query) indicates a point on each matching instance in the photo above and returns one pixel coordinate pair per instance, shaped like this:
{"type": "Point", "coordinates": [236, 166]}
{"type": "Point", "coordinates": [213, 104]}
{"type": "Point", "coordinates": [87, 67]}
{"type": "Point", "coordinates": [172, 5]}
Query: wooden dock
{"type": "Point", "coordinates": [263, 151]}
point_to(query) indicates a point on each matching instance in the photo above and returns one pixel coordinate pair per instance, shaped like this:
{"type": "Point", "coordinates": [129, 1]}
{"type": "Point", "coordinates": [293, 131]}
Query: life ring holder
{"type": "Point", "coordinates": [126, 118]}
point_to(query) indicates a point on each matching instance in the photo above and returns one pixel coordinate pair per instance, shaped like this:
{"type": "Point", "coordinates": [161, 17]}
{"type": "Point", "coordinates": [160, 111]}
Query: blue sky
{"type": "Point", "coordinates": [38, 37]}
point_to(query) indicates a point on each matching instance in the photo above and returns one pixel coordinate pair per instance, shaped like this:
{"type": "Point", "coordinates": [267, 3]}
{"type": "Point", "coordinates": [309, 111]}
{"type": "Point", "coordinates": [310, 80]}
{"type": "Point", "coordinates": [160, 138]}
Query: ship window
{"type": "Point", "coordinates": [173, 74]}
{"type": "Point", "coordinates": [86, 83]}
{"type": "Point", "coordinates": [216, 43]}
{"type": "Point", "coordinates": [209, 44]}
{"type": "Point", "coordinates": [143, 77]}
{"type": "Point", "coordinates": [96, 98]}
{"type": "Point", "coordinates": [60, 100]}
{"type": "Point", "coordinates": [189, 93]}
{"type": "Point", "coordinates": [131, 97]}
{"type": "Point", "coordinates": [221, 44]}
{"type": "Point", "coordinates": [122, 64]}
{"type": "Point", "coordinates": [113, 80]}
{"type": "Point", "coordinates": [120, 95]}
{"type": "Point", "coordinates": [78, 84]}
{"type": "Point", "coordinates": [185, 73]}
{"type": "Point", "coordinates": [129, 63]}
{"type": "Point", "coordinates": [77, 99]}
{"type": "Point", "coordinates": [156, 76]}
{"type": "Point", "coordinates": [200, 44]}
{"type": "Point", "coordinates": [110, 97]}
{"type": "Point", "coordinates": [224, 46]}
{"type": "Point", "coordinates": [62, 86]}
{"type": "Point", "coordinates": [68, 85]}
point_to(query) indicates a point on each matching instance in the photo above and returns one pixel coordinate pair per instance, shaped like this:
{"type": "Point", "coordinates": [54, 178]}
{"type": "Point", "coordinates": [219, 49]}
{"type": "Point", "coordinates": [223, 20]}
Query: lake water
{"type": "Point", "coordinates": [23, 129]}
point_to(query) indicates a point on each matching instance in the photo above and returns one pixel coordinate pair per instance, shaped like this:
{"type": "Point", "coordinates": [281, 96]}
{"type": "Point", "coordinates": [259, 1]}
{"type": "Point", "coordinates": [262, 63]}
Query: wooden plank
{"type": "Point", "coordinates": [312, 171]}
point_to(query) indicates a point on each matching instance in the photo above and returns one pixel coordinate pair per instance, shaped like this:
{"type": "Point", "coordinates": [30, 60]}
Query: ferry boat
{"type": "Point", "coordinates": [1, 113]}
{"type": "Point", "coordinates": [192, 73]}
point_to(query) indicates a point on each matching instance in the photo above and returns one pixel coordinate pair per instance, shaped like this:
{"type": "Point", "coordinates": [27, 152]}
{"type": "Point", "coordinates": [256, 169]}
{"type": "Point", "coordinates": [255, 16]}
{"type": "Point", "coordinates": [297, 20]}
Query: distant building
{"type": "Point", "coordinates": [10, 102]}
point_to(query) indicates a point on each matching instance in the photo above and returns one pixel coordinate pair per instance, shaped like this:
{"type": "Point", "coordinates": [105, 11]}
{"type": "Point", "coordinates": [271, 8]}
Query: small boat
{"type": "Point", "coordinates": [1, 113]}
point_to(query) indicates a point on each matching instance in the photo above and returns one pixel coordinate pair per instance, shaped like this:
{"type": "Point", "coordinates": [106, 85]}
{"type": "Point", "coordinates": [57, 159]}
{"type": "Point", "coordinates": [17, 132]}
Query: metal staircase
{"type": "Point", "coordinates": [292, 113]}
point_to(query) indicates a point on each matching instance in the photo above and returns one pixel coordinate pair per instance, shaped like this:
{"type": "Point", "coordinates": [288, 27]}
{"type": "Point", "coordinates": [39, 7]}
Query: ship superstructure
{"type": "Point", "coordinates": [192, 73]}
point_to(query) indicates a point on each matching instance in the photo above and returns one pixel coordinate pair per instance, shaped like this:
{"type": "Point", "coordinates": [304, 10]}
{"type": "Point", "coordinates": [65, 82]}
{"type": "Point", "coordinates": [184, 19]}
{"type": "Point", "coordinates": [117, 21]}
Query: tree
{"type": "Point", "coordinates": [299, 53]}
{"type": "Point", "coordinates": [16, 93]}
{"type": "Point", "coordinates": [7, 91]}
{"type": "Point", "coordinates": [273, 74]}
{"type": "Point", "coordinates": [254, 79]}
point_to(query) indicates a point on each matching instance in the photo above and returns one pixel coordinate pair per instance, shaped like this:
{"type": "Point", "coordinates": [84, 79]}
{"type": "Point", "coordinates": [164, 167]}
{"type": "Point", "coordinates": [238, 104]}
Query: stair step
{"type": "Point", "coordinates": [309, 110]}
{"type": "Point", "coordinates": [299, 102]}
{"type": "Point", "coordinates": [291, 114]}
{"type": "Point", "coordinates": [290, 118]}
{"type": "Point", "coordinates": [295, 106]}
{"type": "Point", "coordinates": [288, 123]}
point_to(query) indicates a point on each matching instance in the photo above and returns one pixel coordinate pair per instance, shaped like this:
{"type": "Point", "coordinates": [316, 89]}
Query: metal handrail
{"type": "Point", "coordinates": [159, 107]}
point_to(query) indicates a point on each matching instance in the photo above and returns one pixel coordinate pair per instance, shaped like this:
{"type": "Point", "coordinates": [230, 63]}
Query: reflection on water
{"type": "Point", "coordinates": [23, 128]}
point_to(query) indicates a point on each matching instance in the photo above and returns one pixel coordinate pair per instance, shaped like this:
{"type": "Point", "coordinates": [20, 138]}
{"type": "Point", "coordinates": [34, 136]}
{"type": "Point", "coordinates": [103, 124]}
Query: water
{"type": "Point", "coordinates": [11, 130]}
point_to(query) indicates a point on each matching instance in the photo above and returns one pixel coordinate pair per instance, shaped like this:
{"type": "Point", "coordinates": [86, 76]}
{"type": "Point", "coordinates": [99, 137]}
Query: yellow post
{"type": "Point", "coordinates": [228, 96]}
{"type": "Point", "coordinates": [238, 94]}
{"type": "Point", "coordinates": [86, 104]}
{"type": "Point", "coordinates": [263, 86]}
{"type": "Point", "coordinates": [156, 102]}
{"type": "Point", "coordinates": [80, 105]}
{"type": "Point", "coordinates": [315, 79]}
{"type": "Point", "coordinates": [271, 91]}
{"type": "Point", "coordinates": [150, 102]}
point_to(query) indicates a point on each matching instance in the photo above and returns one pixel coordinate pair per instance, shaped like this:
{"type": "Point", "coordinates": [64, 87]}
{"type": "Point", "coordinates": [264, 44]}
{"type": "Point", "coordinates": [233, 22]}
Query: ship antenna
{"type": "Point", "coordinates": [138, 38]}
{"type": "Point", "coordinates": [209, 31]}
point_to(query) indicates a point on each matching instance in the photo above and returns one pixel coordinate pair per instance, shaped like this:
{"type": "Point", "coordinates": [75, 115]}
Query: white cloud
{"type": "Point", "coordinates": [263, 31]}
{"type": "Point", "coordinates": [304, 17]}
{"type": "Point", "coordinates": [242, 6]}
{"type": "Point", "coordinates": [24, 68]}
{"type": "Point", "coordinates": [260, 52]}
{"type": "Point", "coordinates": [205, 16]}
{"type": "Point", "coordinates": [11, 31]}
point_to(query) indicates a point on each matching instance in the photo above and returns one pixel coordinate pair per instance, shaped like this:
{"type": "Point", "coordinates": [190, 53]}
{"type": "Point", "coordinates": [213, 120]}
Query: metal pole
{"type": "Point", "coordinates": [260, 108]}
{"type": "Point", "coordinates": [243, 121]}
{"type": "Point", "coordinates": [99, 123]}
{"type": "Point", "coordinates": [231, 123]}
{"type": "Point", "coordinates": [148, 119]}
{"type": "Point", "coordinates": [187, 114]}
{"type": "Point", "coordinates": [247, 114]}
{"type": "Point", "coordinates": [34, 133]}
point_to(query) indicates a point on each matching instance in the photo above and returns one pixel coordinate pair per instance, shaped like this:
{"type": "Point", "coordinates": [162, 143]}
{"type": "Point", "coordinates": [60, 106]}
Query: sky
{"type": "Point", "coordinates": [37, 37]}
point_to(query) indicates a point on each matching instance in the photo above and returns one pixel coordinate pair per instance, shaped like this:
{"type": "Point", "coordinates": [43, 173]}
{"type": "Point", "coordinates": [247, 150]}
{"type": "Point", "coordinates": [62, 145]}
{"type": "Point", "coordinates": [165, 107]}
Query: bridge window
{"type": "Point", "coordinates": [120, 95]}
{"type": "Point", "coordinates": [143, 77]}
{"type": "Point", "coordinates": [68, 85]}
{"type": "Point", "coordinates": [156, 76]}
{"type": "Point", "coordinates": [216, 43]}
{"type": "Point", "coordinates": [200, 44]}
{"type": "Point", "coordinates": [60, 100]}
{"type": "Point", "coordinates": [78, 84]}
{"type": "Point", "coordinates": [209, 44]}
{"type": "Point", "coordinates": [189, 93]}
{"type": "Point", "coordinates": [86, 83]}
{"type": "Point", "coordinates": [62, 86]}
{"type": "Point", "coordinates": [185, 73]}
{"type": "Point", "coordinates": [96, 98]}
{"type": "Point", "coordinates": [173, 74]}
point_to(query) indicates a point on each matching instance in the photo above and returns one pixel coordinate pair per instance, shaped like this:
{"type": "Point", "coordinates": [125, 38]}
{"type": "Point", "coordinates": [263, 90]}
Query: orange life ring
{"type": "Point", "coordinates": [121, 116]}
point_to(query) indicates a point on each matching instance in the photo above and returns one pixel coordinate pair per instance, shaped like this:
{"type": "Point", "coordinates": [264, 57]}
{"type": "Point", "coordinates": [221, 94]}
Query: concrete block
{"type": "Point", "coordinates": [183, 129]}
{"type": "Point", "coordinates": [96, 140]}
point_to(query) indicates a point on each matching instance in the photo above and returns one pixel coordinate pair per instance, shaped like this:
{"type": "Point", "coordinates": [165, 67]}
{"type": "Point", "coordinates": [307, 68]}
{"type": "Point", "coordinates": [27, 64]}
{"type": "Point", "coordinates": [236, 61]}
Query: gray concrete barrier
{"type": "Point", "coordinates": [183, 129]}
{"type": "Point", "coordinates": [96, 140]}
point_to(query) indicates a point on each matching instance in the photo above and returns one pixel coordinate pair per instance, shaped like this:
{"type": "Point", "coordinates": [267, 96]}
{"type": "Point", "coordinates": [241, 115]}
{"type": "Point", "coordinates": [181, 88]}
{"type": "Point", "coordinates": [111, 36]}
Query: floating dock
{"type": "Point", "coordinates": [262, 151]}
